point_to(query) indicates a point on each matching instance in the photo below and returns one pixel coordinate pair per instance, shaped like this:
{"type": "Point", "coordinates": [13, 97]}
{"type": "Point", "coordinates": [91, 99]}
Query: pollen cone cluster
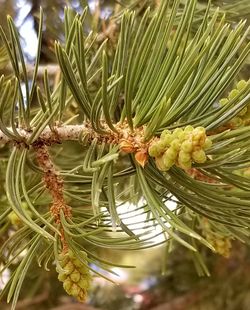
{"type": "Point", "coordinates": [75, 276]}
{"type": "Point", "coordinates": [180, 148]}
{"type": "Point", "coordinates": [222, 245]}
{"type": "Point", "coordinates": [243, 118]}
{"type": "Point", "coordinates": [244, 172]}
{"type": "Point", "coordinates": [220, 241]}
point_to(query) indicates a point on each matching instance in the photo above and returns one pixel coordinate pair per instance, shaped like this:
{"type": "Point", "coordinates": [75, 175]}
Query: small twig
{"type": "Point", "coordinates": [52, 69]}
{"type": "Point", "coordinates": [54, 183]}
{"type": "Point", "coordinates": [74, 306]}
{"type": "Point", "coordinates": [108, 32]}
{"type": "Point", "coordinates": [30, 301]}
{"type": "Point", "coordinates": [181, 302]}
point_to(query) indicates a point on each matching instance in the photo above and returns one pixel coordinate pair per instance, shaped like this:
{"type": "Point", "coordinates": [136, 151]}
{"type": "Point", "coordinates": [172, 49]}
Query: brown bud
{"type": "Point", "coordinates": [141, 157]}
{"type": "Point", "coordinates": [127, 146]}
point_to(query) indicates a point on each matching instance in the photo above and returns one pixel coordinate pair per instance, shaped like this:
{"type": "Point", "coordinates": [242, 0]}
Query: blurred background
{"type": "Point", "coordinates": [160, 281]}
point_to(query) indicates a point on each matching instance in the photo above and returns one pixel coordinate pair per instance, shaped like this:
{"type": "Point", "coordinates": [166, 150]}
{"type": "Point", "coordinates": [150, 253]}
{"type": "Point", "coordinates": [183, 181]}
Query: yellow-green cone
{"type": "Point", "coordinates": [219, 241]}
{"type": "Point", "coordinates": [75, 276]}
{"type": "Point", "coordinates": [243, 118]}
{"type": "Point", "coordinates": [222, 245]}
{"type": "Point", "coordinates": [180, 148]}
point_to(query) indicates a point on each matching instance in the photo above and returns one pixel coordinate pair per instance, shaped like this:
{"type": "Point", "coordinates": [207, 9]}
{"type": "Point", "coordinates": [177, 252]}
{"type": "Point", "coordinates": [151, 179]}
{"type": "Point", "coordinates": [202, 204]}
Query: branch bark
{"type": "Point", "coordinates": [63, 133]}
{"type": "Point", "coordinates": [123, 136]}
{"type": "Point", "coordinates": [128, 141]}
{"type": "Point", "coordinates": [52, 69]}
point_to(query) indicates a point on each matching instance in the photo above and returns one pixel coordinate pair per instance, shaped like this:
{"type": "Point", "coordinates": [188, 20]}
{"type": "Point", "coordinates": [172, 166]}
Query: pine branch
{"type": "Point", "coordinates": [149, 116]}
{"type": "Point", "coordinates": [49, 135]}
{"type": "Point", "coordinates": [128, 141]}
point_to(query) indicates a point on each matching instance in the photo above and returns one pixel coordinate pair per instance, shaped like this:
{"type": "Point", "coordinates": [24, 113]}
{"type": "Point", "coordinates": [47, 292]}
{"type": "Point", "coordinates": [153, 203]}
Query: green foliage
{"type": "Point", "coordinates": [165, 74]}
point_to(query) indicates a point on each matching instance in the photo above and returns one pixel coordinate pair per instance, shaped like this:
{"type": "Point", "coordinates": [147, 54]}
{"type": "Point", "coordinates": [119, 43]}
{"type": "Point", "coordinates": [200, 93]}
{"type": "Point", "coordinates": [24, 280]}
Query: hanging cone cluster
{"type": "Point", "coordinates": [219, 241]}
{"type": "Point", "coordinates": [222, 245]}
{"type": "Point", "coordinates": [243, 118]}
{"type": "Point", "coordinates": [180, 148]}
{"type": "Point", "coordinates": [75, 276]}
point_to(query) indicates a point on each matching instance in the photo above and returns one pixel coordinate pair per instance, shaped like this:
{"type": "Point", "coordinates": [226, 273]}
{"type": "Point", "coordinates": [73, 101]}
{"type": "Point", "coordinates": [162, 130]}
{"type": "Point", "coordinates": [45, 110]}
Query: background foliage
{"type": "Point", "coordinates": [180, 278]}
